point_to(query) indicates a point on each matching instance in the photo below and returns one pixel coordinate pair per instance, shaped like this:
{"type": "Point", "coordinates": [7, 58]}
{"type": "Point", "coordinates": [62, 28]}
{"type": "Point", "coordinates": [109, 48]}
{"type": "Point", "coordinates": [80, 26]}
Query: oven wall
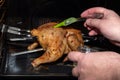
{"type": "Point", "coordinates": [61, 8]}
{"type": "Point", "coordinates": [29, 9]}
{"type": "Point", "coordinates": [58, 8]}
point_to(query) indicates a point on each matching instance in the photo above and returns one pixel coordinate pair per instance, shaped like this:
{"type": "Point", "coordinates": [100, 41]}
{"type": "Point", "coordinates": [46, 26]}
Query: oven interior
{"type": "Point", "coordinates": [28, 14]}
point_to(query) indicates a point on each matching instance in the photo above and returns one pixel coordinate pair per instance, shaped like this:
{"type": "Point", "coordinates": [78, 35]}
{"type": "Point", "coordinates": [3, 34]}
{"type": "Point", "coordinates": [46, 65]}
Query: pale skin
{"type": "Point", "coordinates": [103, 65]}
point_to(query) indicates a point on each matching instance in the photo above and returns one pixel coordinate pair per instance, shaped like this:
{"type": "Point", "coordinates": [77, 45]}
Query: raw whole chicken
{"type": "Point", "coordinates": [55, 41]}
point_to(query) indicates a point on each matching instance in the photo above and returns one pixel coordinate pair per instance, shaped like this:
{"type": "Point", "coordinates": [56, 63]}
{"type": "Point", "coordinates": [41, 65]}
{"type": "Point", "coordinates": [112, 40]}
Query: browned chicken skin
{"type": "Point", "coordinates": [55, 41]}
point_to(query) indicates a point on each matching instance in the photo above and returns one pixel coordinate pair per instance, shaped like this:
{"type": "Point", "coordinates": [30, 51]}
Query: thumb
{"type": "Point", "coordinates": [95, 23]}
{"type": "Point", "coordinates": [75, 56]}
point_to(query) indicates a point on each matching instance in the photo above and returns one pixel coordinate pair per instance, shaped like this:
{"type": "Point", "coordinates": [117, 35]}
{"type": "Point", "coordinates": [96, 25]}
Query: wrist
{"type": "Point", "coordinates": [117, 70]}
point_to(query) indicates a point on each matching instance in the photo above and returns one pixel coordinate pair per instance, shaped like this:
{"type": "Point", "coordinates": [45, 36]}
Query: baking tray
{"type": "Point", "coordinates": [21, 65]}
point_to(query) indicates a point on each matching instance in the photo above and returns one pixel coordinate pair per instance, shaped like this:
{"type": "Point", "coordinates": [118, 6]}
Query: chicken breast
{"type": "Point", "coordinates": [55, 41]}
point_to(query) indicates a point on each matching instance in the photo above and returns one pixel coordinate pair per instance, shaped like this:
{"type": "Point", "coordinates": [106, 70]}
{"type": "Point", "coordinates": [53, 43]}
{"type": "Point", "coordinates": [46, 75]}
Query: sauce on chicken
{"type": "Point", "coordinates": [55, 41]}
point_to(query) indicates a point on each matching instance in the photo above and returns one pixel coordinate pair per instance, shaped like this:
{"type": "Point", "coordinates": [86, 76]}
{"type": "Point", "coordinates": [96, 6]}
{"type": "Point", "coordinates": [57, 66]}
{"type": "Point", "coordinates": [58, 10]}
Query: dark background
{"type": "Point", "coordinates": [59, 8]}
{"type": "Point", "coordinates": [32, 9]}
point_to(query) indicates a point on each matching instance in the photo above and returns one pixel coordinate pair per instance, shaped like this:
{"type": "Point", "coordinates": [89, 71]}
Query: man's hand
{"type": "Point", "coordinates": [96, 65]}
{"type": "Point", "coordinates": [108, 26]}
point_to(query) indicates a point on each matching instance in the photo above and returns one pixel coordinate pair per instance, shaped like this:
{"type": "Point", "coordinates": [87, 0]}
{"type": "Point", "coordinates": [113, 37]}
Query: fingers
{"type": "Point", "coordinates": [75, 56]}
{"type": "Point", "coordinates": [75, 72]}
{"type": "Point", "coordinates": [93, 33]}
{"type": "Point", "coordinates": [94, 25]}
{"type": "Point", "coordinates": [90, 11]}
